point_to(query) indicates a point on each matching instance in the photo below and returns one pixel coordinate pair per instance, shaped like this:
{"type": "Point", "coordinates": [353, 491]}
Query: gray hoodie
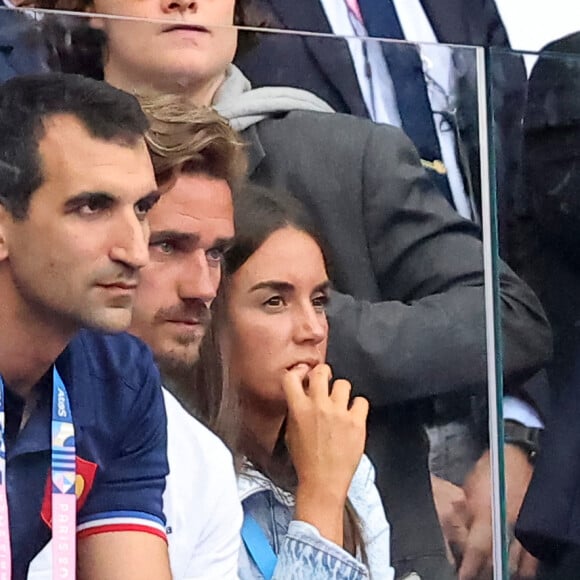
{"type": "Point", "coordinates": [243, 106]}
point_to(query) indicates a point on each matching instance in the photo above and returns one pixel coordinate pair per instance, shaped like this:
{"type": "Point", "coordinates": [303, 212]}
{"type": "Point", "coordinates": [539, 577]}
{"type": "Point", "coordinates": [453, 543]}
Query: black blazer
{"type": "Point", "coordinates": [324, 66]}
{"type": "Point", "coordinates": [551, 154]}
{"type": "Point", "coordinates": [549, 521]}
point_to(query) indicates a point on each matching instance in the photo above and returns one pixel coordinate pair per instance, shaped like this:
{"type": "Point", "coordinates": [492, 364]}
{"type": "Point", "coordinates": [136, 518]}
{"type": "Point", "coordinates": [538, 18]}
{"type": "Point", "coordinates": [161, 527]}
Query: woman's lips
{"type": "Point", "coordinates": [301, 367]}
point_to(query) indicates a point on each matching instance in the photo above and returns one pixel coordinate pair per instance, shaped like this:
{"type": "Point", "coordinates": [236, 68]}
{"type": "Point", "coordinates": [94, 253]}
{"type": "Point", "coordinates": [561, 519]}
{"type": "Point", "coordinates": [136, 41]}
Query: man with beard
{"type": "Point", "coordinates": [197, 169]}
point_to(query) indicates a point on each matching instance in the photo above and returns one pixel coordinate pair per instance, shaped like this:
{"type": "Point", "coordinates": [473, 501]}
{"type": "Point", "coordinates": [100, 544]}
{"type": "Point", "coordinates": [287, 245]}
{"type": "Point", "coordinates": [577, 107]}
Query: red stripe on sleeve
{"type": "Point", "coordinates": [108, 528]}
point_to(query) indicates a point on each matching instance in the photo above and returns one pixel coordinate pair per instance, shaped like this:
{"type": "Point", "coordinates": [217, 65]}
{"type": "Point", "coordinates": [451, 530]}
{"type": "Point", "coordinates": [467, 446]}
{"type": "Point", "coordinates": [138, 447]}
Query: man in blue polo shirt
{"type": "Point", "coordinates": [76, 183]}
{"type": "Point", "coordinates": [200, 162]}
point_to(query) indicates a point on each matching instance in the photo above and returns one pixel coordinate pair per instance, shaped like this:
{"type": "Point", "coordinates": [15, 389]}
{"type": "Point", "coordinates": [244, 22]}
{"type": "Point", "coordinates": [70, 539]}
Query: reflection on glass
{"type": "Point", "coordinates": [407, 318]}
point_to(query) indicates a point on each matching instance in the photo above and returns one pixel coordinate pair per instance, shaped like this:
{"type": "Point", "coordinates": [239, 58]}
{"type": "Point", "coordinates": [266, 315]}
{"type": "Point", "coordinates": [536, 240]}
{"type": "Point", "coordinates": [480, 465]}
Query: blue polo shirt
{"type": "Point", "coordinates": [121, 446]}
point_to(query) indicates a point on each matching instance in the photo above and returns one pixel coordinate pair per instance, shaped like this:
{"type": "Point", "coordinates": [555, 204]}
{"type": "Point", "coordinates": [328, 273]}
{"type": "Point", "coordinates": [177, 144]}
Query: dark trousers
{"type": "Point", "coordinates": [398, 446]}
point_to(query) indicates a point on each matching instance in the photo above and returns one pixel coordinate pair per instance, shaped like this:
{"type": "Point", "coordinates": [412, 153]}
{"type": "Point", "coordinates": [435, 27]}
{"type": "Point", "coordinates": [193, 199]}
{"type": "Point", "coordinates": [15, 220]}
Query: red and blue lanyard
{"type": "Point", "coordinates": [63, 481]}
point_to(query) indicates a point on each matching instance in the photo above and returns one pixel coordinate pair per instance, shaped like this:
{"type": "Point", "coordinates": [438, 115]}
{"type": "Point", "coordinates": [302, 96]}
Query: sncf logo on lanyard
{"type": "Point", "coordinates": [63, 479]}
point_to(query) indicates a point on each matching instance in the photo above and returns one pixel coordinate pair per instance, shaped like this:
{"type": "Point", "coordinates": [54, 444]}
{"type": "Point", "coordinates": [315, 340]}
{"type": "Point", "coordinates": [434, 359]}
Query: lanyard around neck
{"type": "Point", "coordinates": [258, 547]}
{"type": "Point", "coordinates": [63, 479]}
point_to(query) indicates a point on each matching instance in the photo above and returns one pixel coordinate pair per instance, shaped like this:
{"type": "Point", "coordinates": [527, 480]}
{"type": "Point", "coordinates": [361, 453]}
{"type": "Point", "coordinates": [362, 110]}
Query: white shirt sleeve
{"type": "Point", "coordinates": [204, 513]}
{"type": "Point", "coordinates": [517, 410]}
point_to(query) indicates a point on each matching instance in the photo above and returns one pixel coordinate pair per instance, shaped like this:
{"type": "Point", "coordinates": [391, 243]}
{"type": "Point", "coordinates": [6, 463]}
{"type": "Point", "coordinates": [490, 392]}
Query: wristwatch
{"type": "Point", "coordinates": [526, 438]}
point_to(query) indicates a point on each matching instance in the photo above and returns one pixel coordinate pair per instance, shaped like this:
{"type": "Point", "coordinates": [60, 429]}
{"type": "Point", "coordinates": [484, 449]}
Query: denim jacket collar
{"type": "Point", "coordinates": [251, 481]}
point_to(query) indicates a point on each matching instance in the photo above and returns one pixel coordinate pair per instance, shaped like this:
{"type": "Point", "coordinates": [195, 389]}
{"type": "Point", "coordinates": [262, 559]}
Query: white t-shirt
{"type": "Point", "coordinates": [204, 514]}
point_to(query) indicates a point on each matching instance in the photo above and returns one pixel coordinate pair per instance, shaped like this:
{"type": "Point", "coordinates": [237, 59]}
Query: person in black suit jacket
{"type": "Point", "coordinates": [551, 529]}
{"type": "Point", "coordinates": [324, 67]}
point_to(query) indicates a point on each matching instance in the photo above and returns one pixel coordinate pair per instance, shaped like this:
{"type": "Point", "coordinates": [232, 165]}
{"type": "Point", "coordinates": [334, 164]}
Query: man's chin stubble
{"type": "Point", "coordinates": [176, 370]}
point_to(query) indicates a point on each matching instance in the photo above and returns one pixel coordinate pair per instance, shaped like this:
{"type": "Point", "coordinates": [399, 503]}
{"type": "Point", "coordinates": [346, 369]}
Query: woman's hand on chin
{"type": "Point", "coordinates": [325, 434]}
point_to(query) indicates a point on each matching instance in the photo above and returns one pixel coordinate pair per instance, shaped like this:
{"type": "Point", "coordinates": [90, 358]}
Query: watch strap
{"type": "Point", "coordinates": [526, 438]}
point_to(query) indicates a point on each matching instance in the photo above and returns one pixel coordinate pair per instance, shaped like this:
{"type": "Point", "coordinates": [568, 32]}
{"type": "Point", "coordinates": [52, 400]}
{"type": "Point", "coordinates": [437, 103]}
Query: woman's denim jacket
{"type": "Point", "coordinates": [303, 554]}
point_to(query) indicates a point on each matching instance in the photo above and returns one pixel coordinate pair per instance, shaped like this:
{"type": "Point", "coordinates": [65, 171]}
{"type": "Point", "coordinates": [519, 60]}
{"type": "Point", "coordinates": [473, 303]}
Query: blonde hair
{"type": "Point", "coordinates": [189, 139]}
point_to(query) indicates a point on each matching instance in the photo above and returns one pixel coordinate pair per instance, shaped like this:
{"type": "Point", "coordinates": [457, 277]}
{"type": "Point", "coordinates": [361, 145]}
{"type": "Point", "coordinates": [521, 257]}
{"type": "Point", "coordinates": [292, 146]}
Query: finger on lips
{"type": "Point", "coordinates": [321, 370]}
{"type": "Point", "coordinates": [293, 387]}
{"type": "Point", "coordinates": [318, 381]}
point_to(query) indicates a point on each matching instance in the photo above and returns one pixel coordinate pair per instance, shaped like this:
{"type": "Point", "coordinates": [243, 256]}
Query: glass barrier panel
{"type": "Point", "coordinates": [401, 226]}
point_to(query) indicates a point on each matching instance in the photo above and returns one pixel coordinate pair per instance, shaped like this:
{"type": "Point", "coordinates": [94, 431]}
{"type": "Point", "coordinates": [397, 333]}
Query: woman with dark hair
{"type": "Point", "coordinates": [310, 504]}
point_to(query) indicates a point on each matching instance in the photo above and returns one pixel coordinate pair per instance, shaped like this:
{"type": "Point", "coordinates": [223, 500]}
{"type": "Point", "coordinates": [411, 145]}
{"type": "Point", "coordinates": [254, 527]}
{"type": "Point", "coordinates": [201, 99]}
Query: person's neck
{"type": "Point", "coordinates": [28, 345]}
{"type": "Point", "coordinates": [265, 426]}
{"type": "Point", "coordinates": [199, 93]}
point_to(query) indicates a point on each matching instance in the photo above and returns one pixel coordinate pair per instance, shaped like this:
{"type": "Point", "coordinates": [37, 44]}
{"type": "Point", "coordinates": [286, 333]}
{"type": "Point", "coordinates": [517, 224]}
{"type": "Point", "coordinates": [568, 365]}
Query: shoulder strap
{"type": "Point", "coordinates": [258, 547]}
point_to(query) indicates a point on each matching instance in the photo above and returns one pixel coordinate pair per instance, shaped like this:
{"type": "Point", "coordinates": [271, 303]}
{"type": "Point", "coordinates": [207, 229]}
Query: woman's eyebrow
{"type": "Point", "coordinates": [273, 285]}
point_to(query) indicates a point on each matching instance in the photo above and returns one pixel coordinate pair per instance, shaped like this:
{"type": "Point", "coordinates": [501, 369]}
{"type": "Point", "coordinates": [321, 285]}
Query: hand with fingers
{"type": "Point", "coordinates": [476, 563]}
{"type": "Point", "coordinates": [325, 434]}
{"type": "Point", "coordinates": [453, 514]}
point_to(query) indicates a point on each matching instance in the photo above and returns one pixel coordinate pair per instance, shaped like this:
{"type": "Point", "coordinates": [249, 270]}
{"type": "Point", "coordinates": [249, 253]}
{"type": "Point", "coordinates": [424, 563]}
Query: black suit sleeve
{"type": "Point", "coordinates": [427, 336]}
